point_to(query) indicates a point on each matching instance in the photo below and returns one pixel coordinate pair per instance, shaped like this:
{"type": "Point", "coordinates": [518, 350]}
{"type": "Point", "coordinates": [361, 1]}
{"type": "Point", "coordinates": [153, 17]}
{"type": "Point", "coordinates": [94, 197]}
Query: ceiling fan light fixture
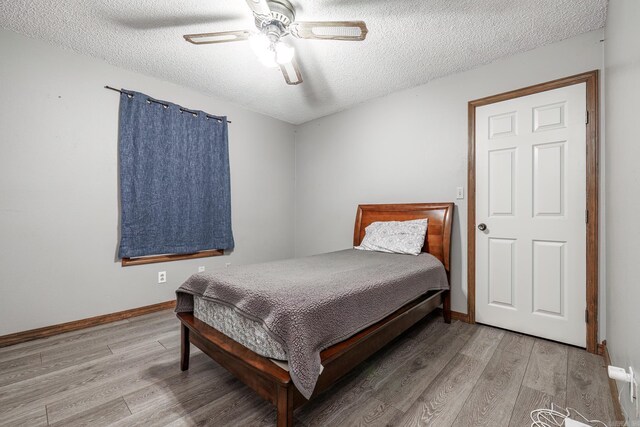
{"type": "Point", "coordinates": [268, 59]}
{"type": "Point", "coordinates": [263, 48]}
{"type": "Point", "coordinates": [284, 53]}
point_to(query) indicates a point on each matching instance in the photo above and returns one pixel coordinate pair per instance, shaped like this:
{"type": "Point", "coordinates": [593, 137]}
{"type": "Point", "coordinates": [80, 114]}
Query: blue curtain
{"type": "Point", "coordinates": [174, 179]}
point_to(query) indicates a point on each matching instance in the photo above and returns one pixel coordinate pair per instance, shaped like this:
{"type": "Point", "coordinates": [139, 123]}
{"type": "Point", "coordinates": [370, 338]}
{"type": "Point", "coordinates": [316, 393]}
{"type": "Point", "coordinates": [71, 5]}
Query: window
{"type": "Point", "coordinates": [175, 196]}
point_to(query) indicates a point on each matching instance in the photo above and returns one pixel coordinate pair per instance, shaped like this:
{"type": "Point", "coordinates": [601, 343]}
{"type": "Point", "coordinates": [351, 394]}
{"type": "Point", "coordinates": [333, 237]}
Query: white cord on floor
{"type": "Point", "coordinates": [554, 418]}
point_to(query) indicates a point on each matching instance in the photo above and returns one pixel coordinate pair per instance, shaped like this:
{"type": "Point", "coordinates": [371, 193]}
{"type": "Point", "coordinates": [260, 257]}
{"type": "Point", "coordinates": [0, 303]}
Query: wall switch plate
{"type": "Point", "coordinates": [201, 269]}
{"type": "Point", "coordinates": [459, 193]}
{"type": "Point", "coordinates": [162, 276]}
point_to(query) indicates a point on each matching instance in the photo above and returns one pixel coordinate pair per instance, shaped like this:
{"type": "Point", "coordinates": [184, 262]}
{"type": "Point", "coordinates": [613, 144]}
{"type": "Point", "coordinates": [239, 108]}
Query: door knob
{"type": "Point", "coordinates": [482, 227]}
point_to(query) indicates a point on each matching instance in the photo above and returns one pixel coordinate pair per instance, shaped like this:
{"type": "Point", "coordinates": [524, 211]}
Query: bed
{"type": "Point", "coordinates": [259, 362]}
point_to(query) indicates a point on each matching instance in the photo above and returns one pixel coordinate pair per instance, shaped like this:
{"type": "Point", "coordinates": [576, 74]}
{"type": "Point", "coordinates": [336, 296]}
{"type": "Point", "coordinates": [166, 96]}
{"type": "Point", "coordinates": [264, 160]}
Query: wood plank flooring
{"type": "Point", "coordinates": [127, 374]}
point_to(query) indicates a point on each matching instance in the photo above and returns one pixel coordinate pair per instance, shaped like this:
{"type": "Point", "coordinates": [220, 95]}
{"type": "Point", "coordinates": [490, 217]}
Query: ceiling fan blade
{"type": "Point", "coordinates": [221, 37]}
{"type": "Point", "coordinates": [291, 72]}
{"type": "Point", "coordinates": [330, 30]}
{"type": "Point", "coordinates": [260, 8]}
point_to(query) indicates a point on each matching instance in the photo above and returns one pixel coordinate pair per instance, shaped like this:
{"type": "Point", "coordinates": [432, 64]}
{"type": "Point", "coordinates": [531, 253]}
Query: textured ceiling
{"type": "Point", "coordinates": [409, 43]}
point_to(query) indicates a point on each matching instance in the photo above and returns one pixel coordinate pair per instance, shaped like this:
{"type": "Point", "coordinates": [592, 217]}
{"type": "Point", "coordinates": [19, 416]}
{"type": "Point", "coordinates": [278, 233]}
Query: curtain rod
{"type": "Point", "coordinates": [162, 103]}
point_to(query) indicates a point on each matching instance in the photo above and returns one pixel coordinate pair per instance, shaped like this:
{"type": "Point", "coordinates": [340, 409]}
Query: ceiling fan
{"type": "Point", "coordinates": [275, 19]}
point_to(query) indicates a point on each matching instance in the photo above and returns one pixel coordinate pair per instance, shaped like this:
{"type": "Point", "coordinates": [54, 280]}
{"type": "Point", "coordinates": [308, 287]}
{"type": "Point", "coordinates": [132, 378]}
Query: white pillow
{"type": "Point", "coordinates": [398, 237]}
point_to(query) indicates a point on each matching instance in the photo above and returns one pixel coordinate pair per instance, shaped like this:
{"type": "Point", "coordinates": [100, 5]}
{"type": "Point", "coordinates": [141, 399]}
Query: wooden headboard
{"type": "Point", "coordinates": [438, 239]}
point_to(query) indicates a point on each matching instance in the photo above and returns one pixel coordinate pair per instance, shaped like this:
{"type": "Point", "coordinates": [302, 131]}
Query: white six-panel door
{"type": "Point", "coordinates": [531, 195]}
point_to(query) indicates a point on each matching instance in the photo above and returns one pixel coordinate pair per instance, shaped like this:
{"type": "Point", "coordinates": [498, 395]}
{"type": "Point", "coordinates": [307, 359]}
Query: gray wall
{"type": "Point", "coordinates": [622, 60]}
{"type": "Point", "coordinates": [59, 195]}
{"type": "Point", "coordinates": [411, 146]}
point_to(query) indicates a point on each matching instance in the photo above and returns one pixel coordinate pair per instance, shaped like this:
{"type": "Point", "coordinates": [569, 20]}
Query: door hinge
{"type": "Point", "coordinates": [586, 216]}
{"type": "Point", "coordinates": [586, 117]}
{"type": "Point", "coordinates": [586, 316]}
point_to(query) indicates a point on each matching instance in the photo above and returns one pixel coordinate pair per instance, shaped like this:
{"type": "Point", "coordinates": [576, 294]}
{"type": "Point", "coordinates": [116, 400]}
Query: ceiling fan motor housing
{"type": "Point", "coordinates": [282, 15]}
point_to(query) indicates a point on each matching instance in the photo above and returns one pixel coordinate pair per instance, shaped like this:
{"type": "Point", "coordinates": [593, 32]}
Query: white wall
{"type": "Point", "coordinates": [411, 146]}
{"type": "Point", "coordinates": [59, 195]}
{"type": "Point", "coordinates": [622, 60]}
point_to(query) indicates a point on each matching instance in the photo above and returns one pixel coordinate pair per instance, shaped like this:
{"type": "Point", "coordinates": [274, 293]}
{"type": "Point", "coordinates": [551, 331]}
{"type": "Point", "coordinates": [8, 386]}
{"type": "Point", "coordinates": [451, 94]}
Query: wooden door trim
{"type": "Point", "coordinates": [592, 184]}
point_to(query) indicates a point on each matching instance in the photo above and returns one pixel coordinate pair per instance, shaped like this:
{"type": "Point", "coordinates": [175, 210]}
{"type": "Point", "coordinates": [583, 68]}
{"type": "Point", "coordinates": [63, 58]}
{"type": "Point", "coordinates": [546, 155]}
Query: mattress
{"type": "Point", "coordinates": [241, 329]}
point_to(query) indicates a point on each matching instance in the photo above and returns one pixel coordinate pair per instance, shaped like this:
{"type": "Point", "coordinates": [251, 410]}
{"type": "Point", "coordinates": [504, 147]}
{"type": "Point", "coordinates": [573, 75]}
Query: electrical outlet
{"type": "Point", "coordinates": [162, 276]}
{"type": "Point", "coordinates": [227, 264]}
{"type": "Point", "coordinates": [634, 390]}
{"type": "Point", "coordinates": [635, 385]}
{"type": "Point", "coordinates": [460, 193]}
{"type": "Point", "coordinates": [632, 384]}
{"type": "Point", "coordinates": [201, 269]}
{"type": "Point", "coordinates": [619, 374]}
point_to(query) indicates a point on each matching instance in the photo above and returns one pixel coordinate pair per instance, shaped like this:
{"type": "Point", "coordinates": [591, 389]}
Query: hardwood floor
{"type": "Point", "coordinates": [127, 374]}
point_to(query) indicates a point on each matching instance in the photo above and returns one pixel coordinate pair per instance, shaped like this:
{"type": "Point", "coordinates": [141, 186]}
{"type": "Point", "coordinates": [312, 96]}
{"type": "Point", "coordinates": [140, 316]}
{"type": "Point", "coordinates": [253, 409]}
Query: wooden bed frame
{"type": "Point", "coordinates": [274, 383]}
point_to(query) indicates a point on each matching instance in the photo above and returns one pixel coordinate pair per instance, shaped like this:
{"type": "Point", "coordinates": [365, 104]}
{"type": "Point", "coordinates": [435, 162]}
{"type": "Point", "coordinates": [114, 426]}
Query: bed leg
{"type": "Point", "coordinates": [285, 406]}
{"type": "Point", "coordinates": [185, 347]}
{"type": "Point", "coordinates": [446, 307]}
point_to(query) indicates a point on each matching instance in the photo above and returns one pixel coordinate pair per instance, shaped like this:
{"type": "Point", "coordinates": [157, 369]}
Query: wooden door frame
{"type": "Point", "coordinates": [593, 157]}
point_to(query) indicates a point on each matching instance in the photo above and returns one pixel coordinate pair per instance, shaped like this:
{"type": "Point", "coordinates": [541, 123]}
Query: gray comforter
{"type": "Point", "coordinates": [308, 304]}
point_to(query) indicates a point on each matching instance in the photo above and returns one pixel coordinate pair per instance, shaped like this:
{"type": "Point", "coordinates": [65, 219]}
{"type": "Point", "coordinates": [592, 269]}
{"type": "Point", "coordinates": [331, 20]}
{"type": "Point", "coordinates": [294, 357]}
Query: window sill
{"type": "Point", "coordinates": [127, 262]}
